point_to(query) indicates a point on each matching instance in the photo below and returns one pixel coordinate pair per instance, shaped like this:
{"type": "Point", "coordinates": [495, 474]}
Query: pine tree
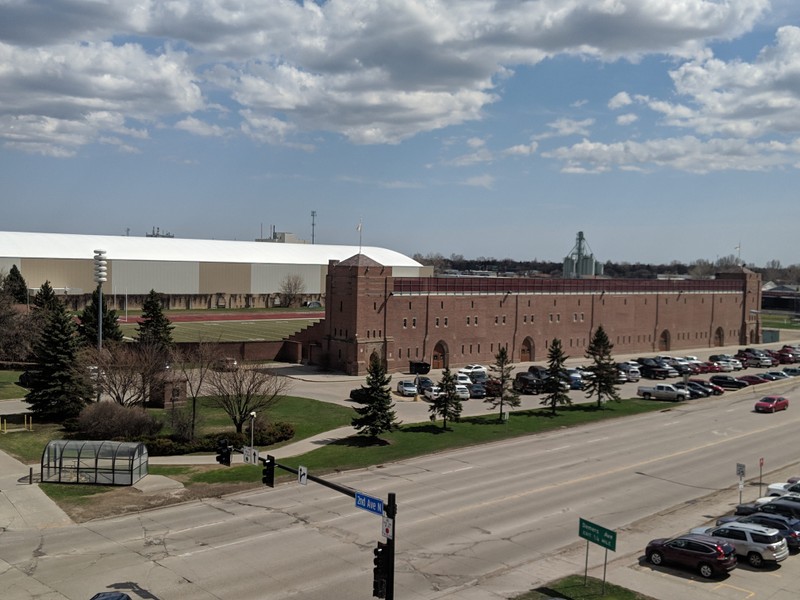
{"type": "Point", "coordinates": [604, 383]}
{"type": "Point", "coordinates": [58, 389]}
{"type": "Point", "coordinates": [45, 298]}
{"type": "Point", "coordinates": [15, 285]}
{"type": "Point", "coordinates": [87, 328]}
{"type": "Point", "coordinates": [555, 375]}
{"type": "Point", "coordinates": [447, 405]}
{"type": "Point", "coordinates": [502, 369]}
{"type": "Point", "coordinates": [376, 415]}
{"type": "Point", "coordinates": [155, 328]}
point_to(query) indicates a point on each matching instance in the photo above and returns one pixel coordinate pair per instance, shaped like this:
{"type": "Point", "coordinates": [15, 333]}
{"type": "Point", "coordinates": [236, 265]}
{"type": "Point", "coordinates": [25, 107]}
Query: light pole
{"type": "Point", "coordinates": [100, 278]}
{"type": "Point", "coordinates": [252, 428]}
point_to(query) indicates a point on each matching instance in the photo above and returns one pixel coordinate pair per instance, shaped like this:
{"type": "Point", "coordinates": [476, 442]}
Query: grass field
{"type": "Point", "coordinates": [574, 588]}
{"type": "Point", "coordinates": [8, 385]}
{"type": "Point", "coordinates": [231, 331]}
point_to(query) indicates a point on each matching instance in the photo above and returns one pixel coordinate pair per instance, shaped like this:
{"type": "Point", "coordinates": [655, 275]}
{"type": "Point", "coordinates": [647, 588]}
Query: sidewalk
{"type": "Point", "coordinates": [25, 506]}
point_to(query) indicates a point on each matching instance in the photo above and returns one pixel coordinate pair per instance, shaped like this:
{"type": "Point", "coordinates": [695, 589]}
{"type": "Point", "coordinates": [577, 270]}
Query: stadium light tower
{"type": "Point", "coordinates": [100, 272]}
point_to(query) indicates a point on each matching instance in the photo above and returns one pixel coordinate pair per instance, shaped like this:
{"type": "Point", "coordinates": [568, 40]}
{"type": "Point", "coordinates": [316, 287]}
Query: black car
{"type": "Point", "coordinates": [653, 371]}
{"type": "Point", "coordinates": [476, 390]}
{"type": "Point", "coordinates": [423, 383]}
{"type": "Point", "coordinates": [728, 382]}
{"type": "Point", "coordinates": [788, 527]}
{"type": "Point", "coordinates": [479, 377]}
{"type": "Point", "coordinates": [708, 555]}
{"type": "Point", "coordinates": [694, 391]}
{"type": "Point", "coordinates": [527, 383]}
{"type": "Point", "coordinates": [779, 506]}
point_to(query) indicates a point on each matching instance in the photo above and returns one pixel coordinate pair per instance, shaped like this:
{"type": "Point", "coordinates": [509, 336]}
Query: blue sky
{"type": "Point", "coordinates": [663, 129]}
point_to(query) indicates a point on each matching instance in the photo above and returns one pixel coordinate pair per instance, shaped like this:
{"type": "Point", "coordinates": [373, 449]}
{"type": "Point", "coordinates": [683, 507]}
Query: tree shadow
{"type": "Point", "coordinates": [423, 428]}
{"type": "Point", "coordinates": [359, 441]}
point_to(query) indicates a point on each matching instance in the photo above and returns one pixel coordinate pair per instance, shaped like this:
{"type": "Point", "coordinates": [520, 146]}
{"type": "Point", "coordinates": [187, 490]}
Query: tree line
{"type": "Point", "coordinates": [771, 271]}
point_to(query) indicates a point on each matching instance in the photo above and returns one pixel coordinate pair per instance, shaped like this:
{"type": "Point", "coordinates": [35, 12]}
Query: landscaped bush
{"type": "Point", "coordinates": [111, 421]}
{"type": "Point", "coordinates": [169, 446]}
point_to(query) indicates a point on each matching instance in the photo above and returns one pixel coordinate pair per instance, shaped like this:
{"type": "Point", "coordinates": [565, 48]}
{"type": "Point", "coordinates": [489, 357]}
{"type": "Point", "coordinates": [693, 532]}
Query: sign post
{"type": "Point", "coordinates": [760, 473]}
{"type": "Point", "coordinates": [607, 538]}
{"type": "Point", "coordinates": [740, 473]}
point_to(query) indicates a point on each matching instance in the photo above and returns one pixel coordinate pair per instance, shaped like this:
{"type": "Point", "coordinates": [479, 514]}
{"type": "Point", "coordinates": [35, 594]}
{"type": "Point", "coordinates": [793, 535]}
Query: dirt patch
{"type": "Point", "coordinates": [127, 500]}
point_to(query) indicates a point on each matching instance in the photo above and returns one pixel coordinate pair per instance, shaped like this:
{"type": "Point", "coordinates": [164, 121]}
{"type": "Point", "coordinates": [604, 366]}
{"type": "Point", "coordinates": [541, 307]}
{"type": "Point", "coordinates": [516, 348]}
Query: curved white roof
{"type": "Point", "coordinates": [15, 244]}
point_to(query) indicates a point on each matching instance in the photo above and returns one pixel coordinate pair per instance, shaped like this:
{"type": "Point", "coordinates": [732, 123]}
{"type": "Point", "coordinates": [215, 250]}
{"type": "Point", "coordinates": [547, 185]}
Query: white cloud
{"type": "Point", "coordinates": [198, 127]}
{"type": "Point", "coordinates": [484, 181]}
{"type": "Point", "coordinates": [619, 100]}
{"type": "Point", "coordinates": [376, 73]}
{"type": "Point", "coordinates": [626, 119]}
{"type": "Point", "coordinates": [566, 127]}
{"type": "Point", "coordinates": [521, 149]}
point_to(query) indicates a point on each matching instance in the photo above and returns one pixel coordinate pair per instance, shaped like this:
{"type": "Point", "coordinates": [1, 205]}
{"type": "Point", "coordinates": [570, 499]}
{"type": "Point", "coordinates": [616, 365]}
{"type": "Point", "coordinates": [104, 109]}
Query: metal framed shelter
{"type": "Point", "coordinates": [95, 462]}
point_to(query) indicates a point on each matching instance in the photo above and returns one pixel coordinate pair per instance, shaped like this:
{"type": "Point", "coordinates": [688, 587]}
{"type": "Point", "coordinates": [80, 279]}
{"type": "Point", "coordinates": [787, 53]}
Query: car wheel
{"type": "Point", "coordinates": [755, 560]}
{"type": "Point", "coordinates": [706, 570]}
{"type": "Point", "coordinates": [655, 558]}
{"type": "Point", "coordinates": [646, 396]}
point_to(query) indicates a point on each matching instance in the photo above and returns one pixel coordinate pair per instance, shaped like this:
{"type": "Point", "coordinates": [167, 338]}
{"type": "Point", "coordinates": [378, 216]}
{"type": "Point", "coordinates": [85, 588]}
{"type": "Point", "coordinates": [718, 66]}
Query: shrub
{"type": "Point", "coordinates": [110, 421]}
{"type": "Point", "coordinates": [170, 446]}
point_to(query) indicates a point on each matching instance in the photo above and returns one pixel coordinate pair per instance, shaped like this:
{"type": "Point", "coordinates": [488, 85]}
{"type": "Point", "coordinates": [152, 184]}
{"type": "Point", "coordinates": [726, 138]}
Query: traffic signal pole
{"type": "Point", "coordinates": [383, 573]}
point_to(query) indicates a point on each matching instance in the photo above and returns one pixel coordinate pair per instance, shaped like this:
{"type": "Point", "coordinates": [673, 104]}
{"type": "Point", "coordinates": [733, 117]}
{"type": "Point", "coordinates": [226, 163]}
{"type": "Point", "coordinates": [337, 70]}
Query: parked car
{"type": "Point", "coordinates": [631, 371]}
{"type": "Point", "coordinates": [359, 394]}
{"type": "Point", "coordinates": [527, 383]}
{"type": "Point", "coordinates": [462, 379]}
{"type": "Point", "coordinates": [433, 392]}
{"type": "Point", "coordinates": [462, 391]}
{"type": "Point", "coordinates": [661, 391]}
{"type": "Point", "coordinates": [728, 382]}
{"type": "Point", "coordinates": [711, 387]}
{"type": "Point", "coordinates": [423, 383]}
{"type": "Point", "coordinates": [477, 390]}
{"type": "Point", "coordinates": [789, 528]}
{"type": "Point", "coordinates": [752, 379]}
{"type": "Point", "coordinates": [778, 375]}
{"type": "Point", "coordinates": [705, 554]}
{"type": "Point", "coordinates": [478, 377]}
{"type": "Point", "coordinates": [748, 508]}
{"type": "Point", "coordinates": [695, 390]}
{"type": "Point", "coordinates": [724, 366]}
{"type": "Point", "coordinates": [769, 376]}
{"type": "Point", "coordinates": [772, 404]}
{"type": "Point", "coordinates": [781, 506]}
{"type": "Point", "coordinates": [470, 369]}
{"type": "Point", "coordinates": [711, 367]}
{"type": "Point", "coordinates": [792, 371]}
{"type": "Point", "coordinates": [757, 543]}
{"type": "Point", "coordinates": [779, 489]}
{"type": "Point", "coordinates": [492, 386]}
{"type": "Point", "coordinates": [406, 388]}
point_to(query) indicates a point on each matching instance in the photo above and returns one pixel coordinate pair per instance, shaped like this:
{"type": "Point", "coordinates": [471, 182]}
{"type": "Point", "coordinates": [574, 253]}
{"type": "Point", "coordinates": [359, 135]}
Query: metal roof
{"type": "Point", "coordinates": [20, 245]}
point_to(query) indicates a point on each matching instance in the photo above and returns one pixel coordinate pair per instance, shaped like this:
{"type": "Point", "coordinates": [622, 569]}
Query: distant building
{"type": "Point", "coordinates": [580, 262]}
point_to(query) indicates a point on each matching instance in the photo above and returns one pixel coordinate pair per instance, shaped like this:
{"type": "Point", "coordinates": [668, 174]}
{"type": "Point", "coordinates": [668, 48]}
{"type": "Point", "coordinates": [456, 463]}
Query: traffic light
{"type": "Point", "coordinates": [223, 453]}
{"type": "Point", "coordinates": [268, 472]}
{"type": "Point", "coordinates": [380, 571]}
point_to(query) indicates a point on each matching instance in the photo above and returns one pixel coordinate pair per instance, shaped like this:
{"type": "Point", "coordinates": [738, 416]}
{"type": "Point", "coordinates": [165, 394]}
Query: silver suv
{"type": "Point", "coordinates": [758, 543]}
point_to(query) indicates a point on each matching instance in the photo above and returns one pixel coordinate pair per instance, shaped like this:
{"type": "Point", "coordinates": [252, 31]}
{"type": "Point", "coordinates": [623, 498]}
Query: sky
{"type": "Point", "coordinates": [664, 130]}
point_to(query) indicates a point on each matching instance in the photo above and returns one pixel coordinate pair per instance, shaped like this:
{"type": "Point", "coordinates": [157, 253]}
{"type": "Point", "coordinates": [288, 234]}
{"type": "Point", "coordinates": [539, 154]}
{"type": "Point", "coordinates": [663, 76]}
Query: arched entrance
{"type": "Point", "coordinates": [527, 351]}
{"type": "Point", "coordinates": [439, 360]}
{"type": "Point", "coordinates": [664, 341]}
{"type": "Point", "coordinates": [719, 337]}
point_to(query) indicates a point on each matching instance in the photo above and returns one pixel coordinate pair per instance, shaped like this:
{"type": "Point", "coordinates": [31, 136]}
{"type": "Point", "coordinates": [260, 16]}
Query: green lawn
{"type": "Point", "coordinates": [417, 439]}
{"type": "Point", "coordinates": [770, 321]}
{"type": "Point", "coordinates": [8, 385]}
{"type": "Point", "coordinates": [231, 331]}
{"type": "Point", "coordinates": [574, 588]}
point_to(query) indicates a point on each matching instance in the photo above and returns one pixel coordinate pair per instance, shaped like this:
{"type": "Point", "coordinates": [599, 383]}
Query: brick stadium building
{"type": "Point", "coordinates": [457, 321]}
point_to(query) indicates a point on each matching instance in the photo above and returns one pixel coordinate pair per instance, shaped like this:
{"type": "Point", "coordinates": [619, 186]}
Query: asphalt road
{"type": "Point", "coordinates": [473, 523]}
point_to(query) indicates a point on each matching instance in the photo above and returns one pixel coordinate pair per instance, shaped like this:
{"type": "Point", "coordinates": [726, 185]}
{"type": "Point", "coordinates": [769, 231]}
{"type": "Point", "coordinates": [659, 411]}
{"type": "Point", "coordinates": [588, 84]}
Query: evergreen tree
{"type": "Point", "coordinates": [45, 298]}
{"type": "Point", "coordinates": [448, 404]}
{"type": "Point", "coordinates": [58, 389]}
{"type": "Point", "coordinates": [555, 375]}
{"type": "Point", "coordinates": [604, 383]}
{"type": "Point", "coordinates": [502, 369]}
{"type": "Point", "coordinates": [155, 328]}
{"type": "Point", "coordinates": [15, 285]}
{"type": "Point", "coordinates": [87, 328]}
{"type": "Point", "coordinates": [376, 415]}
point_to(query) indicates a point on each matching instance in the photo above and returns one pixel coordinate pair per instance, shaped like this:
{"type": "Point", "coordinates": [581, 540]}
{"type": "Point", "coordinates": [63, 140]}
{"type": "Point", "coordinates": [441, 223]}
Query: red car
{"type": "Point", "coordinates": [772, 404]}
{"type": "Point", "coordinates": [715, 389]}
{"type": "Point", "coordinates": [752, 379]}
{"type": "Point", "coordinates": [712, 367]}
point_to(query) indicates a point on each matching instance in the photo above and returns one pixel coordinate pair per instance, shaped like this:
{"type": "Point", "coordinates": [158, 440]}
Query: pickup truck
{"type": "Point", "coordinates": [662, 391]}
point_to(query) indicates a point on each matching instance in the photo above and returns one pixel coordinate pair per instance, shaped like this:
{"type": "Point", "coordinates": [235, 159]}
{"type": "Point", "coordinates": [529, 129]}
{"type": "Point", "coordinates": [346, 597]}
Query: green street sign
{"type": "Point", "coordinates": [598, 535]}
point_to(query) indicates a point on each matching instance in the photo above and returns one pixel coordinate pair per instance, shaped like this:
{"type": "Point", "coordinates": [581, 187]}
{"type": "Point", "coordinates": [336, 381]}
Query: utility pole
{"type": "Point", "coordinates": [100, 273]}
{"type": "Point", "coordinates": [313, 224]}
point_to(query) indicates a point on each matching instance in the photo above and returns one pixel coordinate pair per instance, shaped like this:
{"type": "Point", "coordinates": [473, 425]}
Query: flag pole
{"type": "Point", "coordinates": [359, 227]}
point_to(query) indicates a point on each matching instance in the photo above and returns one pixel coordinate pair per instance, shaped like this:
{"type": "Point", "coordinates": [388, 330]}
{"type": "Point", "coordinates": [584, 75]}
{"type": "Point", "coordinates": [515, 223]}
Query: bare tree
{"type": "Point", "coordinates": [195, 364]}
{"type": "Point", "coordinates": [116, 371]}
{"type": "Point", "coordinates": [292, 287]}
{"type": "Point", "coordinates": [244, 390]}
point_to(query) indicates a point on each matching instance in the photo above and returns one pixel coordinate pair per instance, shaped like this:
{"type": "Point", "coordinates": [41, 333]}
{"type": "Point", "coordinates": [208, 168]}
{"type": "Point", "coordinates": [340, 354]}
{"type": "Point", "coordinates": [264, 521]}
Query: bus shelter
{"type": "Point", "coordinates": [95, 462]}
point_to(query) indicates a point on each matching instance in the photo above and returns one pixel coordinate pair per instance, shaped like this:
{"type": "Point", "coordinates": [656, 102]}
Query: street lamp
{"type": "Point", "coordinates": [252, 428]}
{"type": "Point", "coordinates": [100, 273]}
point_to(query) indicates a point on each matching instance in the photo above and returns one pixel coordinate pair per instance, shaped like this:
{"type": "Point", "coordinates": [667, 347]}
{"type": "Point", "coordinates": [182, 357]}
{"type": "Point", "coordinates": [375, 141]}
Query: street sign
{"type": "Point", "coordinates": [368, 503]}
{"type": "Point", "coordinates": [739, 469]}
{"type": "Point", "coordinates": [250, 455]}
{"type": "Point", "coordinates": [302, 475]}
{"type": "Point", "coordinates": [387, 527]}
{"type": "Point", "coordinates": [761, 463]}
{"type": "Point", "coordinates": [598, 535]}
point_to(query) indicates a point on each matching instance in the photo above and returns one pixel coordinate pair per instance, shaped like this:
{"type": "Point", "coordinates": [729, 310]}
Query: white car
{"type": "Point", "coordinates": [736, 363]}
{"type": "Point", "coordinates": [725, 366]}
{"type": "Point", "coordinates": [463, 379]}
{"type": "Point", "coordinates": [406, 388]}
{"type": "Point", "coordinates": [782, 488]}
{"type": "Point", "coordinates": [432, 393]}
{"type": "Point", "coordinates": [462, 392]}
{"type": "Point", "coordinates": [470, 369]}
